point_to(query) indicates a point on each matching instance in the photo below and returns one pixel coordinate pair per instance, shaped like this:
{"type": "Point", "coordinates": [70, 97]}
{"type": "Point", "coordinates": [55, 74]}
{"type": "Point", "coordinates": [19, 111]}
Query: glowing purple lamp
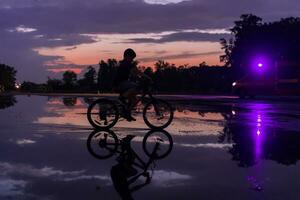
{"type": "Point", "coordinates": [260, 64]}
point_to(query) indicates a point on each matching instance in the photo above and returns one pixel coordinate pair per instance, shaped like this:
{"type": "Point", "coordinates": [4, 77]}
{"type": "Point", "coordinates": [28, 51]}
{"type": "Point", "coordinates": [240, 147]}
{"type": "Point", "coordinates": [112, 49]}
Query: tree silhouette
{"type": "Point", "coordinates": [278, 40]}
{"type": "Point", "coordinates": [69, 79]}
{"type": "Point", "coordinates": [54, 84]}
{"type": "Point", "coordinates": [106, 74]}
{"type": "Point", "coordinates": [88, 80]}
{"type": "Point", "coordinates": [7, 77]}
{"type": "Point", "coordinates": [90, 76]}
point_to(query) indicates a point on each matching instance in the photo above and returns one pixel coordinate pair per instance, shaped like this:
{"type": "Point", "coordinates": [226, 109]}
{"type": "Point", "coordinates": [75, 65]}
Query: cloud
{"type": "Point", "coordinates": [24, 47]}
{"type": "Point", "coordinates": [177, 56]}
{"type": "Point", "coordinates": [71, 48]}
{"type": "Point", "coordinates": [164, 2]}
{"type": "Point", "coordinates": [183, 36]}
{"type": "Point", "coordinates": [23, 29]}
{"type": "Point", "coordinates": [63, 69]}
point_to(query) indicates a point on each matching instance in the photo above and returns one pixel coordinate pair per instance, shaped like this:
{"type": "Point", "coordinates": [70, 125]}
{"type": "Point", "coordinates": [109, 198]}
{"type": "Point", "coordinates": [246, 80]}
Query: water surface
{"type": "Point", "coordinates": [239, 150]}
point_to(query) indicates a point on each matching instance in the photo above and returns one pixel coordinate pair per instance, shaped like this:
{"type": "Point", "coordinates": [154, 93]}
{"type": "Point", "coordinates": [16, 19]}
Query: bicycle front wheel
{"type": "Point", "coordinates": [103, 113]}
{"type": "Point", "coordinates": [158, 114]}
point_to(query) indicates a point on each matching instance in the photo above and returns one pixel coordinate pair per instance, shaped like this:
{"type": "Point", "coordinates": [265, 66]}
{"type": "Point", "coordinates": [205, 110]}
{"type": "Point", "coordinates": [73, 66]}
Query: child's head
{"type": "Point", "coordinates": [129, 54]}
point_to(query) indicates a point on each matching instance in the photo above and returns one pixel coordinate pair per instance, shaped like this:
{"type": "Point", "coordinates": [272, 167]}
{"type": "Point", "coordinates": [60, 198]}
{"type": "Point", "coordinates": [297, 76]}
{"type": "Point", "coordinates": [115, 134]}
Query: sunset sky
{"type": "Point", "coordinates": [42, 38]}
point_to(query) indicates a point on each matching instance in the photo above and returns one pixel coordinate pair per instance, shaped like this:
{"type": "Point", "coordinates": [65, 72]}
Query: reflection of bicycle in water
{"type": "Point", "coordinates": [105, 113]}
{"type": "Point", "coordinates": [104, 144]}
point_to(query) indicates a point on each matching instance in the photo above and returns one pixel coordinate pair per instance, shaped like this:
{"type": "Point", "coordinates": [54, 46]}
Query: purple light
{"type": "Point", "coordinates": [260, 64]}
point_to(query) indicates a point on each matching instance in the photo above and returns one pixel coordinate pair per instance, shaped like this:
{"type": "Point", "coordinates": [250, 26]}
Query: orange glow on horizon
{"type": "Point", "coordinates": [113, 46]}
{"type": "Point", "coordinates": [59, 70]}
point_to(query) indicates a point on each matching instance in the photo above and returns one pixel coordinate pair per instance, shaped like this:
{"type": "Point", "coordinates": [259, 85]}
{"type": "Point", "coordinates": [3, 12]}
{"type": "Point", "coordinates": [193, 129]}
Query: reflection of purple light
{"type": "Point", "coordinates": [258, 124]}
{"type": "Point", "coordinates": [258, 132]}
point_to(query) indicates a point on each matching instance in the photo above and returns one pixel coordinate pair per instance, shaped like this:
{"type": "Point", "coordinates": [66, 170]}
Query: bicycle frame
{"type": "Point", "coordinates": [141, 98]}
{"type": "Point", "coordinates": [141, 164]}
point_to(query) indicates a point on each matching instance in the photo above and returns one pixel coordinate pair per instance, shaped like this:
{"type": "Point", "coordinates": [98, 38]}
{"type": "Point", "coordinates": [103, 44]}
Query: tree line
{"type": "Point", "coordinates": [167, 78]}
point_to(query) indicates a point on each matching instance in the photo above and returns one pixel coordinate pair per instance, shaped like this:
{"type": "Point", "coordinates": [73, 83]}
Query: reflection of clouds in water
{"type": "Point", "coordinates": [60, 101]}
{"type": "Point", "coordinates": [7, 168]}
{"type": "Point", "coordinates": [105, 178]}
{"type": "Point", "coordinates": [192, 123]}
{"type": "Point", "coordinates": [198, 115]}
{"type": "Point", "coordinates": [186, 121]}
{"type": "Point", "coordinates": [163, 178]}
{"type": "Point", "coordinates": [55, 101]}
{"type": "Point", "coordinates": [10, 187]}
{"type": "Point", "coordinates": [64, 117]}
{"type": "Point", "coordinates": [25, 141]}
{"type": "Point", "coordinates": [60, 175]}
{"type": "Point", "coordinates": [208, 145]}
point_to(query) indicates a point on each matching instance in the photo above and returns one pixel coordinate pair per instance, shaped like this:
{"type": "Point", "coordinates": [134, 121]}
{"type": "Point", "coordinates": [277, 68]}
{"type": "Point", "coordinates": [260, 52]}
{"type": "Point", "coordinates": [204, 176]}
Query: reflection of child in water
{"type": "Point", "coordinates": [121, 173]}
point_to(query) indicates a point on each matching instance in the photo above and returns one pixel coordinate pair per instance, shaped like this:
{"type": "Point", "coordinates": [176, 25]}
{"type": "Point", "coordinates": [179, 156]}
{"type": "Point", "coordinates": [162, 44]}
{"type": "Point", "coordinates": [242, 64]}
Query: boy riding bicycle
{"type": "Point", "coordinates": [123, 83]}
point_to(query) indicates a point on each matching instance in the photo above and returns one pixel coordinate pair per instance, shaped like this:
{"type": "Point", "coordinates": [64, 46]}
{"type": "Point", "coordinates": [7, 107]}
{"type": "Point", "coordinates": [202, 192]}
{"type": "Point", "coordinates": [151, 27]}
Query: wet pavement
{"type": "Point", "coordinates": [241, 149]}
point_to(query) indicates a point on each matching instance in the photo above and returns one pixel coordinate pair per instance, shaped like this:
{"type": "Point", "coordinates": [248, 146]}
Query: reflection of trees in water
{"type": "Point", "coordinates": [243, 149]}
{"type": "Point", "coordinates": [70, 101]}
{"type": "Point", "coordinates": [7, 101]}
{"type": "Point", "coordinates": [284, 148]}
{"type": "Point", "coordinates": [269, 143]}
{"type": "Point", "coordinates": [88, 100]}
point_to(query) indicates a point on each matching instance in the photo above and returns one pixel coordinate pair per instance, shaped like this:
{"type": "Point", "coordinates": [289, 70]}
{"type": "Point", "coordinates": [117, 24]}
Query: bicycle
{"type": "Point", "coordinates": [105, 113]}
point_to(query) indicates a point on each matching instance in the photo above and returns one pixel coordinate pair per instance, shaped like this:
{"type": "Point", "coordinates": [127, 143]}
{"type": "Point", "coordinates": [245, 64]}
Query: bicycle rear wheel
{"type": "Point", "coordinates": [103, 113]}
{"type": "Point", "coordinates": [158, 114]}
{"type": "Point", "coordinates": [102, 144]}
{"type": "Point", "coordinates": [157, 144]}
